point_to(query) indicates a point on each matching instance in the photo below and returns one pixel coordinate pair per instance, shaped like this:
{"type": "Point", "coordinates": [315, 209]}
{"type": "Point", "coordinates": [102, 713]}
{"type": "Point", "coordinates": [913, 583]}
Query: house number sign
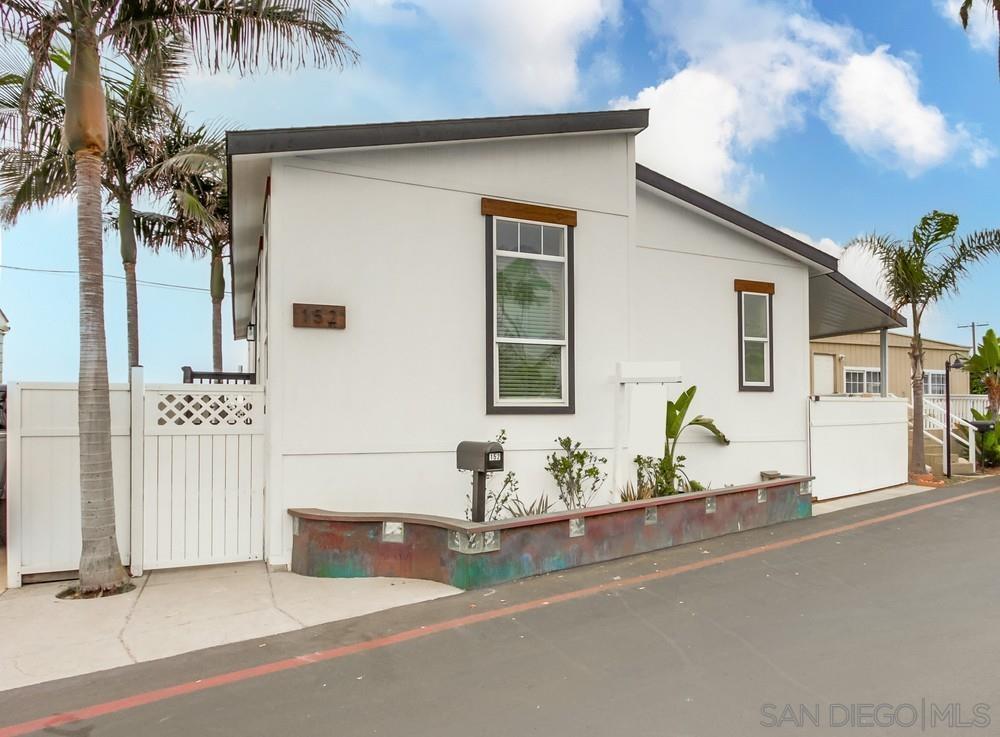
{"type": "Point", "coordinates": [332, 317]}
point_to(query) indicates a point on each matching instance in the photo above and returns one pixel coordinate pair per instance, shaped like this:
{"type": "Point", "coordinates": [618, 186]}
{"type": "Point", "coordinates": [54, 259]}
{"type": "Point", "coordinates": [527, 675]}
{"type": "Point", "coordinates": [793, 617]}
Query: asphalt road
{"type": "Point", "coordinates": [894, 604]}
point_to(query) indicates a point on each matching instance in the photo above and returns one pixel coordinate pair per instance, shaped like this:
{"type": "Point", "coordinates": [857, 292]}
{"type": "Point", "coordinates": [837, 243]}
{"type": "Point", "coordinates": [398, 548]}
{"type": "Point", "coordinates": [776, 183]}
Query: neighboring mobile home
{"type": "Point", "coordinates": [849, 364]}
{"type": "Point", "coordinates": [523, 274]}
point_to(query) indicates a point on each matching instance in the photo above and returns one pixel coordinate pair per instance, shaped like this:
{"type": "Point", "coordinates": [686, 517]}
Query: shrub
{"type": "Point", "coordinates": [576, 473]}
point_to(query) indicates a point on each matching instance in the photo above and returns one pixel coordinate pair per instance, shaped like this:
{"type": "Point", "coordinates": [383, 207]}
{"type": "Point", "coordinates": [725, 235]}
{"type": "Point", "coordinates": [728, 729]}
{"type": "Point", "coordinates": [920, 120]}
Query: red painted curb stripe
{"type": "Point", "coordinates": [180, 689]}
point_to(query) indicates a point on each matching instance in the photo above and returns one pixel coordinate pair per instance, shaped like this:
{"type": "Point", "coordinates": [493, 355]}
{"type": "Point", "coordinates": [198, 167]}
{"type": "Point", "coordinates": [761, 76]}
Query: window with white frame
{"type": "Point", "coordinates": [934, 382]}
{"type": "Point", "coordinates": [862, 380]}
{"type": "Point", "coordinates": [755, 325]}
{"type": "Point", "coordinates": [531, 270]}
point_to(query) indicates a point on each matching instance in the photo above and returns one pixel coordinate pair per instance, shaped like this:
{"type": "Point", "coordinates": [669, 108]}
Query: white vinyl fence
{"type": "Point", "coordinates": [43, 477]}
{"type": "Point", "coordinates": [857, 444]}
{"type": "Point", "coordinates": [188, 478]}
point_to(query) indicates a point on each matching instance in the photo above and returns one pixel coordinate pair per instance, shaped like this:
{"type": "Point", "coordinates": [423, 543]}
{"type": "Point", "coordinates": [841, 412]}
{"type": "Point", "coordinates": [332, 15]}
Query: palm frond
{"type": "Point", "coordinates": [934, 228]}
{"type": "Point", "coordinates": [160, 231]}
{"type": "Point", "coordinates": [968, 251]}
{"type": "Point", "coordinates": [247, 35]}
{"type": "Point", "coordinates": [29, 181]}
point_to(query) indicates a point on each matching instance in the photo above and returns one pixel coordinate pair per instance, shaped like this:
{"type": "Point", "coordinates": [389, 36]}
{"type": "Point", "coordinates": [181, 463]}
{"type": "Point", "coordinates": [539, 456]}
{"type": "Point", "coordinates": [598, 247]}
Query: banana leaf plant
{"type": "Point", "coordinates": [986, 364]}
{"type": "Point", "coordinates": [666, 475]}
{"type": "Point", "coordinates": [988, 443]}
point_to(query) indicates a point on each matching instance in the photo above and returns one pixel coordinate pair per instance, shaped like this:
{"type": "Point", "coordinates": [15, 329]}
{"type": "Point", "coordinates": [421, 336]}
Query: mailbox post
{"type": "Point", "coordinates": [480, 458]}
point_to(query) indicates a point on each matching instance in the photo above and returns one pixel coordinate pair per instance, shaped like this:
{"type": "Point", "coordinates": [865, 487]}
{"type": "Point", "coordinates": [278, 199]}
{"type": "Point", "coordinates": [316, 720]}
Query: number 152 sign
{"type": "Point", "coordinates": [332, 317]}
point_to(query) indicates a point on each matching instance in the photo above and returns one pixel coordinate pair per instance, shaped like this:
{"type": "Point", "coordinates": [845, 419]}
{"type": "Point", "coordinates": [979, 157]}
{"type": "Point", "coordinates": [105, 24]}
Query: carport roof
{"type": "Point", "coordinates": [838, 306]}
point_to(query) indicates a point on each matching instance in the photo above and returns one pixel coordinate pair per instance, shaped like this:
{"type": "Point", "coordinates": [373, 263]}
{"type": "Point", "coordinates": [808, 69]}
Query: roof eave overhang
{"type": "Point", "coordinates": [331, 138]}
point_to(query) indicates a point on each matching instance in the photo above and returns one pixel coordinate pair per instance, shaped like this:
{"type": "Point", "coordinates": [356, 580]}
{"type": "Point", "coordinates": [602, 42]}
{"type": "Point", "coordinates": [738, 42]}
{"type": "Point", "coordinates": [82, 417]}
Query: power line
{"type": "Point", "coordinates": [145, 283]}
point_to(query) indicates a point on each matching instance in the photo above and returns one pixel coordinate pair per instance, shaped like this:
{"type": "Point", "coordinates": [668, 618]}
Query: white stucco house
{"type": "Point", "coordinates": [518, 273]}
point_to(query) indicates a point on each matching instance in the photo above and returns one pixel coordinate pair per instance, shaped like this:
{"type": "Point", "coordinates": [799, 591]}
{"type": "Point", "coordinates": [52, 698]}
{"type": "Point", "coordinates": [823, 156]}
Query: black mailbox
{"type": "Point", "coordinates": [475, 456]}
{"type": "Point", "coordinates": [983, 425]}
{"type": "Point", "coordinates": [481, 459]}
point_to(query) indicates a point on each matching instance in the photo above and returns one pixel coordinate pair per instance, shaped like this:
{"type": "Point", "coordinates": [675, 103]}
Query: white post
{"type": "Point", "coordinates": [137, 426]}
{"type": "Point", "coordinates": [14, 543]}
{"type": "Point", "coordinates": [883, 355]}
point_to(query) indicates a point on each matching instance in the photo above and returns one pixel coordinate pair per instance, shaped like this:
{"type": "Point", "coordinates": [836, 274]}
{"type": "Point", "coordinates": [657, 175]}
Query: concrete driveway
{"type": "Point", "coordinates": [884, 612]}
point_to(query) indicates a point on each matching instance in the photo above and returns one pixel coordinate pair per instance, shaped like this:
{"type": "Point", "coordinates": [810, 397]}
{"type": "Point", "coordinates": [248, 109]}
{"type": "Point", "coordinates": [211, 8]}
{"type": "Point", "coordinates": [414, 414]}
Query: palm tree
{"type": "Point", "coordinates": [993, 7]}
{"type": "Point", "coordinates": [193, 170]}
{"type": "Point", "coordinates": [237, 34]}
{"type": "Point", "coordinates": [918, 273]}
{"type": "Point", "coordinates": [137, 116]}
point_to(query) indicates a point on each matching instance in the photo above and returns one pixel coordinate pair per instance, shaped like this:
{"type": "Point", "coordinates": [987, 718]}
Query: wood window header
{"type": "Point", "coordinates": [524, 211]}
{"type": "Point", "coordinates": [759, 287]}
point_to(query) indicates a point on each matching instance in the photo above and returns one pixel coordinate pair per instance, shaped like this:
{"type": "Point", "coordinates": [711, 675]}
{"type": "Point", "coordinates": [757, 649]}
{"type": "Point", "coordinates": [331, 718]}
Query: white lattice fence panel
{"type": "Point", "coordinates": [190, 409]}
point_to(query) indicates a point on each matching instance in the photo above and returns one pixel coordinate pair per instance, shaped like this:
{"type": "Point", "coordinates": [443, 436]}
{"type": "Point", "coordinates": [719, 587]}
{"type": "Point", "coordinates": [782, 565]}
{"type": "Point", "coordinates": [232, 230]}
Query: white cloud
{"type": "Point", "coordinates": [751, 70]}
{"type": "Point", "coordinates": [693, 120]}
{"type": "Point", "coordinates": [524, 52]}
{"type": "Point", "coordinates": [899, 129]}
{"type": "Point", "coordinates": [982, 30]}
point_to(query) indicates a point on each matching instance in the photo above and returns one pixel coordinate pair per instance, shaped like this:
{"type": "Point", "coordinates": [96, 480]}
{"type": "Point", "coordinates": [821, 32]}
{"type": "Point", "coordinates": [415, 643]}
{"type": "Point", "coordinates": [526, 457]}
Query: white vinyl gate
{"type": "Point", "coordinates": [202, 479]}
{"type": "Point", "coordinates": [188, 475]}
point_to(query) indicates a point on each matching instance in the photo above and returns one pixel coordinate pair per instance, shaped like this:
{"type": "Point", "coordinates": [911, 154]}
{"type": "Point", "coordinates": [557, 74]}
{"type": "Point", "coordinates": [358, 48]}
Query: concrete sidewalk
{"type": "Point", "coordinates": [171, 612]}
{"type": "Point", "coordinates": [871, 497]}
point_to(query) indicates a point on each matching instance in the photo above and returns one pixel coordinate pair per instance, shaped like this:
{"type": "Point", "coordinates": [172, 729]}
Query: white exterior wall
{"type": "Point", "coordinates": [368, 418]}
{"type": "Point", "coordinates": [684, 308]}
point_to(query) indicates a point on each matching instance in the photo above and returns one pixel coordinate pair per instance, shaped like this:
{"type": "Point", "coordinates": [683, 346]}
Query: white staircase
{"type": "Point", "coordinates": [964, 453]}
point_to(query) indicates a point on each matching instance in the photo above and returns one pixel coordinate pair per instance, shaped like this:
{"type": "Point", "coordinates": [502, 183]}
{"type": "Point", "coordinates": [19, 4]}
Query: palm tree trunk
{"type": "Point", "coordinates": [218, 291]}
{"type": "Point", "coordinates": [86, 131]}
{"type": "Point", "coordinates": [918, 461]}
{"type": "Point", "coordinates": [126, 232]}
{"type": "Point", "coordinates": [216, 335]}
{"type": "Point", "coordinates": [100, 562]}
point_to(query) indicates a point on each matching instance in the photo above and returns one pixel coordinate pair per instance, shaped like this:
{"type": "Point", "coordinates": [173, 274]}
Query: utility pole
{"type": "Point", "coordinates": [974, 325]}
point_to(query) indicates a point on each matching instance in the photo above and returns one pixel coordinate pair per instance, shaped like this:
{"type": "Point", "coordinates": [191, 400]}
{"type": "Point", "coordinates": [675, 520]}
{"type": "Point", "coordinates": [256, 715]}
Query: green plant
{"type": "Point", "coordinates": [666, 475]}
{"type": "Point", "coordinates": [516, 508]}
{"type": "Point", "coordinates": [918, 272]}
{"type": "Point", "coordinates": [576, 472]}
{"type": "Point", "coordinates": [985, 366]}
{"type": "Point", "coordinates": [633, 493]}
{"type": "Point", "coordinates": [988, 443]}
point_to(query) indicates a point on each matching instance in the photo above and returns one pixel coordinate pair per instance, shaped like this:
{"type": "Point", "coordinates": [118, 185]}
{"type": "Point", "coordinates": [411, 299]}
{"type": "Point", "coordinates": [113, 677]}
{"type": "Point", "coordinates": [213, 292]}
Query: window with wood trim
{"type": "Point", "coordinates": [530, 316]}
{"type": "Point", "coordinates": [756, 343]}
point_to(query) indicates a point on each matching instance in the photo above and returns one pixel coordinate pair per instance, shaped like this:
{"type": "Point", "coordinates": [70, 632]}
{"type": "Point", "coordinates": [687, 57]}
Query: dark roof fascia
{"type": "Point", "coordinates": [281, 140]}
{"type": "Point", "coordinates": [868, 297]}
{"type": "Point", "coordinates": [741, 220]}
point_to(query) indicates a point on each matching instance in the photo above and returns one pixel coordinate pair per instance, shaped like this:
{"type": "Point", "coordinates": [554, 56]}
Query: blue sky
{"type": "Point", "coordinates": [828, 118]}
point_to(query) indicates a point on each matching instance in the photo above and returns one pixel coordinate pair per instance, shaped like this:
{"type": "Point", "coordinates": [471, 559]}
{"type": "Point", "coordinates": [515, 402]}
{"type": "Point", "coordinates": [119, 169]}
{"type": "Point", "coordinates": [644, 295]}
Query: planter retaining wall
{"type": "Point", "coordinates": [471, 555]}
